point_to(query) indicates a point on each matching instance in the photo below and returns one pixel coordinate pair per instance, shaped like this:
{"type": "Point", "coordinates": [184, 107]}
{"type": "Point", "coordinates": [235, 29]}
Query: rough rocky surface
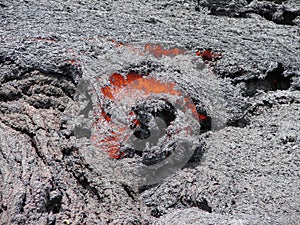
{"type": "Point", "coordinates": [246, 172]}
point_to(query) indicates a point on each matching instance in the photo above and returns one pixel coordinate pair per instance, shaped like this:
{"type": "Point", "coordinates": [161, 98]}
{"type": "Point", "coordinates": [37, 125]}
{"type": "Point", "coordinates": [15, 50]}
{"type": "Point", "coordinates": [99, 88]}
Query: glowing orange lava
{"type": "Point", "coordinates": [158, 51]}
{"type": "Point", "coordinates": [207, 55]}
{"type": "Point", "coordinates": [132, 87]}
{"type": "Point", "coordinates": [128, 89]}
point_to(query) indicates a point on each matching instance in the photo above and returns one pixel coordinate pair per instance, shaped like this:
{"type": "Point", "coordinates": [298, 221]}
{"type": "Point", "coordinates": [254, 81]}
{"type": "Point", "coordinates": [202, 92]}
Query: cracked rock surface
{"type": "Point", "coordinates": [246, 172]}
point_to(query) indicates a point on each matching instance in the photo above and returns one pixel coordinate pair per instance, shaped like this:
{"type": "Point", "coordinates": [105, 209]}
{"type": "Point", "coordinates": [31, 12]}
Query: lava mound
{"type": "Point", "coordinates": [151, 111]}
{"type": "Point", "coordinates": [140, 114]}
{"type": "Point", "coordinates": [148, 119]}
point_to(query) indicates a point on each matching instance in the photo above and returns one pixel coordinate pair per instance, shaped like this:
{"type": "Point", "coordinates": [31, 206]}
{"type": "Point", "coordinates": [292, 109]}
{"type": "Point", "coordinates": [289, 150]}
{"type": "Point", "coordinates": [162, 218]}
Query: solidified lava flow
{"type": "Point", "coordinates": [129, 103]}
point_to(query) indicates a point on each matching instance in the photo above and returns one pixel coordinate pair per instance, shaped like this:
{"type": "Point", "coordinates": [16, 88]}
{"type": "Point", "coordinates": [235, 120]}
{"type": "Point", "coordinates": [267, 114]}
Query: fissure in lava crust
{"type": "Point", "coordinates": [133, 92]}
{"type": "Point", "coordinates": [129, 90]}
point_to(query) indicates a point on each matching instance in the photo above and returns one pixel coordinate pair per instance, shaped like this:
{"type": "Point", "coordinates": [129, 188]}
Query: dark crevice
{"type": "Point", "coordinates": [223, 8]}
{"type": "Point", "coordinates": [22, 203]}
{"type": "Point", "coordinates": [67, 134]}
{"type": "Point", "coordinates": [85, 184]}
{"type": "Point", "coordinates": [276, 11]}
{"type": "Point", "coordinates": [280, 12]}
{"type": "Point", "coordinates": [197, 7]}
{"type": "Point", "coordinates": [3, 208]}
{"type": "Point", "coordinates": [273, 82]}
{"type": "Point", "coordinates": [3, 6]}
{"type": "Point", "coordinates": [54, 203]}
{"type": "Point", "coordinates": [76, 168]}
{"type": "Point", "coordinates": [197, 156]}
{"type": "Point", "coordinates": [51, 221]}
{"type": "Point", "coordinates": [144, 188]}
{"type": "Point", "coordinates": [234, 73]}
{"type": "Point", "coordinates": [274, 79]}
{"type": "Point", "coordinates": [205, 120]}
{"type": "Point", "coordinates": [129, 191]}
{"type": "Point", "coordinates": [254, 110]}
{"type": "Point", "coordinates": [239, 122]}
{"type": "Point", "coordinates": [31, 138]}
{"type": "Point", "coordinates": [287, 18]}
{"type": "Point", "coordinates": [155, 212]}
{"type": "Point", "coordinates": [3, 155]}
{"type": "Point", "coordinates": [67, 151]}
{"type": "Point", "coordinates": [4, 58]}
{"type": "Point", "coordinates": [14, 96]}
{"type": "Point", "coordinates": [200, 203]}
{"type": "Point", "coordinates": [72, 71]}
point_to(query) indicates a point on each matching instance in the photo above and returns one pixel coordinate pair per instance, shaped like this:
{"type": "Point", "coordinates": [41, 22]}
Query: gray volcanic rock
{"type": "Point", "coordinates": [231, 8]}
{"type": "Point", "coordinates": [243, 170]}
{"type": "Point", "coordinates": [195, 216]}
{"type": "Point", "coordinates": [286, 12]}
{"type": "Point", "coordinates": [281, 12]}
{"type": "Point", "coordinates": [246, 171]}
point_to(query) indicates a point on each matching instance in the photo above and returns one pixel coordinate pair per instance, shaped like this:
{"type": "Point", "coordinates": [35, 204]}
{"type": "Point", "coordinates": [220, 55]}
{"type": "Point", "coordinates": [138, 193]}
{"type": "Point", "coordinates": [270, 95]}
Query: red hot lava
{"type": "Point", "coordinates": [158, 51]}
{"type": "Point", "coordinates": [207, 55]}
{"type": "Point", "coordinates": [128, 89]}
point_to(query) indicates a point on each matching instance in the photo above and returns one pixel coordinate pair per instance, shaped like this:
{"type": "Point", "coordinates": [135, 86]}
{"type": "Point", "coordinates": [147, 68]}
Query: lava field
{"type": "Point", "coordinates": [149, 112]}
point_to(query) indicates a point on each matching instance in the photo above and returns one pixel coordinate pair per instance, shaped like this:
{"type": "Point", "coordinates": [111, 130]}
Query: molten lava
{"type": "Point", "coordinates": [129, 89]}
{"type": "Point", "coordinates": [123, 92]}
{"type": "Point", "coordinates": [158, 51]}
{"type": "Point", "coordinates": [207, 55]}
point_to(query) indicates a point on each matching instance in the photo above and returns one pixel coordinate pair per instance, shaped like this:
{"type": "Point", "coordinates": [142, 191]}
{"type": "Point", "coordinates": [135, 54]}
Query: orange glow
{"type": "Point", "coordinates": [107, 92]}
{"type": "Point", "coordinates": [117, 80]}
{"type": "Point", "coordinates": [207, 55]}
{"type": "Point", "coordinates": [74, 62]}
{"type": "Point", "coordinates": [117, 43]}
{"type": "Point", "coordinates": [132, 76]}
{"type": "Point", "coordinates": [158, 51]}
{"type": "Point", "coordinates": [202, 116]}
{"type": "Point", "coordinates": [105, 116]}
{"type": "Point", "coordinates": [125, 88]}
{"type": "Point", "coordinates": [150, 85]}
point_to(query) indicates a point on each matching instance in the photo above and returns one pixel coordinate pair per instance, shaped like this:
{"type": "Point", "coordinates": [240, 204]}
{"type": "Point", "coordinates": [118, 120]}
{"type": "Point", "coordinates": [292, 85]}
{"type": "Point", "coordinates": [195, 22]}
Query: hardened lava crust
{"type": "Point", "coordinates": [221, 76]}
